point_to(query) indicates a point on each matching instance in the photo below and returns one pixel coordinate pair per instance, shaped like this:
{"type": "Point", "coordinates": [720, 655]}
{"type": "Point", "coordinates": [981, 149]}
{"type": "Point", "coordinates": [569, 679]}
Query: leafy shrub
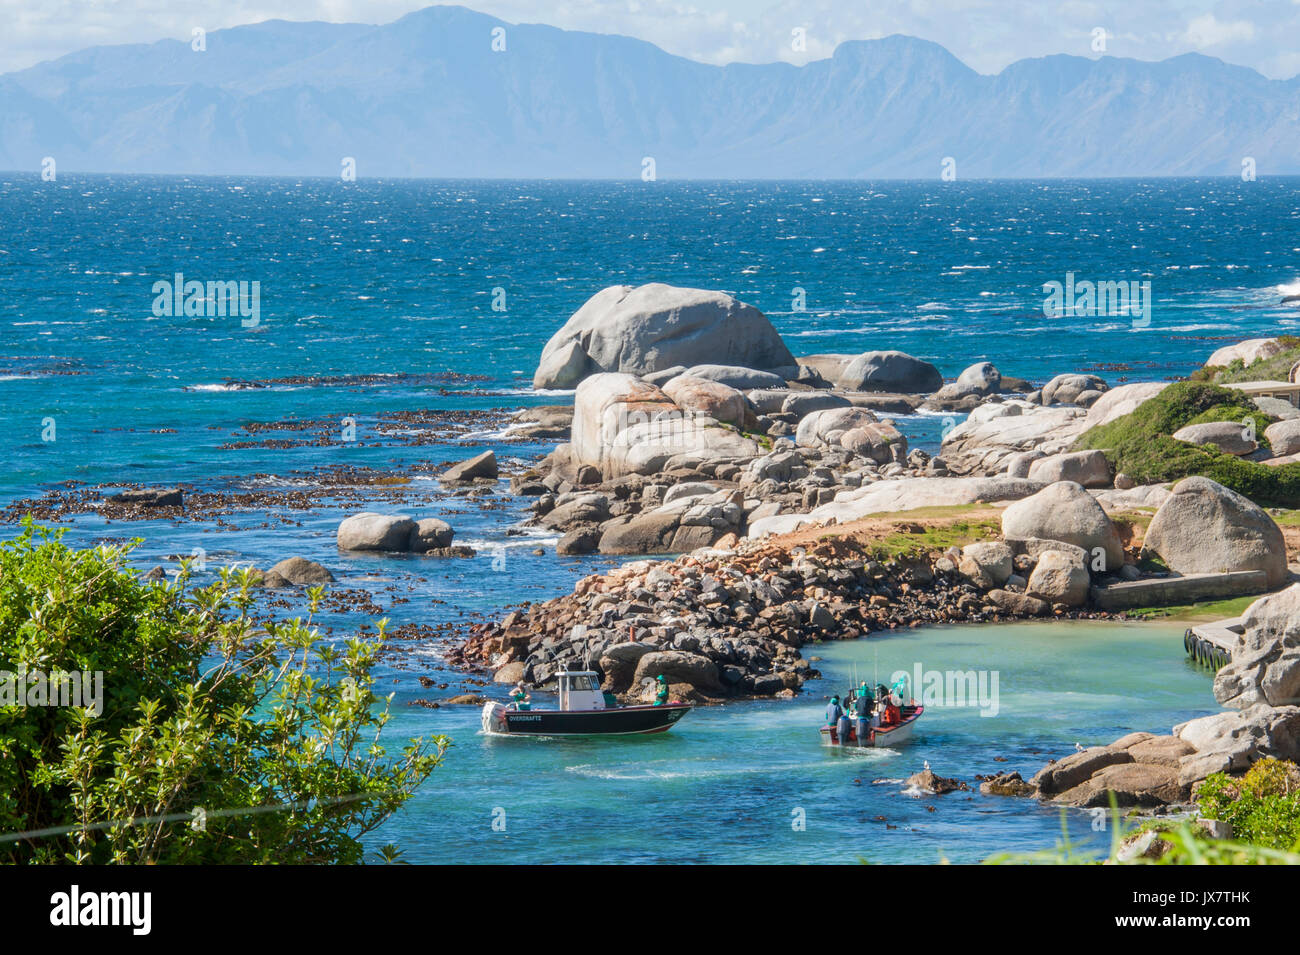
{"type": "Point", "coordinates": [1263, 806]}
{"type": "Point", "coordinates": [217, 740]}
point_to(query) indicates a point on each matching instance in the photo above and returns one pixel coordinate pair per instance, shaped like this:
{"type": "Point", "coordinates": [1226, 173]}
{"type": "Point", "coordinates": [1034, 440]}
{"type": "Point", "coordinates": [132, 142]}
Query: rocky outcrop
{"type": "Point", "coordinates": [1261, 687]}
{"type": "Point", "coordinates": [624, 425]}
{"type": "Point", "coordinates": [430, 533]}
{"type": "Point", "coordinates": [1139, 769]}
{"type": "Point", "coordinates": [993, 433]}
{"type": "Point", "coordinates": [653, 327]}
{"type": "Point", "coordinates": [736, 376]}
{"type": "Point", "coordinates": [1203, 527]}
{"type": "Point", "coordinates": [971, 387]}
{"type": "Point", "coordinates": [899, 494]}
{"type": "Point", "coordinates": [854, 429]}
{"type": "Point", "coordinates": [1066, 512]}
{"type": "Point", "coordinates": [987, 564]}
{"type": "Point", "coordinates": [1265, 668]}
{"type": "Point", "coordinates": [746, 608]}
{"type": "Point", "coordinates": [827, 367]}
{"type": "Point", "coordinates": [930, 782]}
{"type": "Point", "coordinates": [1122, 400]}
{"type": "Point", "coordinates": [707, 397]}
{"type": "Point", "coordinates": [149, 497]}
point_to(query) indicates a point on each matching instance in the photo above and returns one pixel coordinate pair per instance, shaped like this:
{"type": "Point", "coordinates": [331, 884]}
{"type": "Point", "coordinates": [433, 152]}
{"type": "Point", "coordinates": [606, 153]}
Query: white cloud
{"type": "Point", "coordinates": [1209, 30]}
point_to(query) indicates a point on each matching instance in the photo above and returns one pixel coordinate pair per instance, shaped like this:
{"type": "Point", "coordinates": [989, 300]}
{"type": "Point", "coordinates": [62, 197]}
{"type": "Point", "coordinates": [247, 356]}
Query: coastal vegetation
{"type": "Point", "coordinates": [1261, 810]}
{"type": "Point", "coordinates": [213, 738]}
{"type": "Point", "coordinates": [1274, 367]}
{"type": "Point", "coordinates": [1263, 806]}
{"type": "Point", "coordinates": [1141, 444]}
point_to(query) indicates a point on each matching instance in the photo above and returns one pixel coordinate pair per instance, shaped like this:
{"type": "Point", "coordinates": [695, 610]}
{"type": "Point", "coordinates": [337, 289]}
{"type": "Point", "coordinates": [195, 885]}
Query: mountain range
{"type": "Point", "coordinates": [429, 96]}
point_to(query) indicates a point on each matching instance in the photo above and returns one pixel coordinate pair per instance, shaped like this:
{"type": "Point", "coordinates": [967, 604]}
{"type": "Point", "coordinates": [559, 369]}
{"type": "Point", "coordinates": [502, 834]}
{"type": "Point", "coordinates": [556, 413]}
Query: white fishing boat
{"type": "Point", "coordinates": [583, 711]}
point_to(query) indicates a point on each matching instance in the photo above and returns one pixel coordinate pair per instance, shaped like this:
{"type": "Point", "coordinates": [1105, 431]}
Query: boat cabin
{"type": "Point", "coordinates": [580, 690]}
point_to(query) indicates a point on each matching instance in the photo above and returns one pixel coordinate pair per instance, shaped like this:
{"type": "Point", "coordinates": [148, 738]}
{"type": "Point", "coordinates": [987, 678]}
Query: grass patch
{"type": "Point", "coordinates": [924, 539]}
{"type": "Point", "coordinates": [1218, 609]}
{"type": "Point", "coordinates": [1141, 444]}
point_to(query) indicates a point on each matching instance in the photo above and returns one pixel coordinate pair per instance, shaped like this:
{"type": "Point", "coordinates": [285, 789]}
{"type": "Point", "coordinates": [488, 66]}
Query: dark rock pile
{"type": "Point", "coordinates": [723, 623]}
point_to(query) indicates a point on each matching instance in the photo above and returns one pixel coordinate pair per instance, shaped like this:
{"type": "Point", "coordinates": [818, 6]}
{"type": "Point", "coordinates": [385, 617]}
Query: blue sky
{"type": "Point", "coordinates": [986, 34]}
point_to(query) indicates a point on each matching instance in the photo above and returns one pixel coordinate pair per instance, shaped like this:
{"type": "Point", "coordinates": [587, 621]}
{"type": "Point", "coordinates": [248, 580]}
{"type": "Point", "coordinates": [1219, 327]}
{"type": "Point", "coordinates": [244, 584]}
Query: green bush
{"type": "Point", "coordinates": [216, 739]}
{"type": "Point", "coordinates": [1141, 444]}
{"type": "Point", "coordinates": [1263, 806]}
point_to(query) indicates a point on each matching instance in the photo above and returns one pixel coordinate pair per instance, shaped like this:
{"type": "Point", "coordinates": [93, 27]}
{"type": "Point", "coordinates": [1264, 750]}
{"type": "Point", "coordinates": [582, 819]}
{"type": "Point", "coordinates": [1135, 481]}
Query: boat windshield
{"type": "Point", "coordinates": [582, 683]}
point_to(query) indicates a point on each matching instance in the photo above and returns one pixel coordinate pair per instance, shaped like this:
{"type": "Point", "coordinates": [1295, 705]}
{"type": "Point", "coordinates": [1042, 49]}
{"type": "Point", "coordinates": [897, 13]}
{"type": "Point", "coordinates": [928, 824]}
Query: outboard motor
{"type": "Point", "coordinates": [843, 729]}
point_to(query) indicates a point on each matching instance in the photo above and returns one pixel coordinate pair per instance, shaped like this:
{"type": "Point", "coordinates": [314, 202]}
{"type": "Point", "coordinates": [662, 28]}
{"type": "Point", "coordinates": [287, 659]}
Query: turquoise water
{"type": "Point", "coordinates": [726, 784]}
{"type": "Point", "coordinates": [395, 280]}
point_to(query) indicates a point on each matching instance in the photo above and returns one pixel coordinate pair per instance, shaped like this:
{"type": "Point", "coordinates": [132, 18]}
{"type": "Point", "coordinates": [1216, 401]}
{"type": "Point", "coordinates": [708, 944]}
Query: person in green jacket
{"type": "Point", "coordinates": [662, 696]}
{"type": "Point", "coordinates": [520, 697]}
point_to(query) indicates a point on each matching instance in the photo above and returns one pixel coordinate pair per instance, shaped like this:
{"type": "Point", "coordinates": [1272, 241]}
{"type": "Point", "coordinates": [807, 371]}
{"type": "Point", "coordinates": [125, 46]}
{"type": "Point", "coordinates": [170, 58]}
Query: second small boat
{"type": "Point", "coordinates": [886, 734]}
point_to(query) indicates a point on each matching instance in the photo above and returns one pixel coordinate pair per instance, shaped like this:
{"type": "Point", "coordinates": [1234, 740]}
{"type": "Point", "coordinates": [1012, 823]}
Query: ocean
{"type": "Point", "coordinates": [399, 322]}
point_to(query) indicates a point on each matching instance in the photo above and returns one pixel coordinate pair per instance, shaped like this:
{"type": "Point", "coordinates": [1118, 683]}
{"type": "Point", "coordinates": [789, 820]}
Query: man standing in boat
{"type": "Point", "coordinates": [662, 696]}
{"type": "Point", "coordinates": [863, 705]}
{"type": "Point", "coordinates": [833, 714]}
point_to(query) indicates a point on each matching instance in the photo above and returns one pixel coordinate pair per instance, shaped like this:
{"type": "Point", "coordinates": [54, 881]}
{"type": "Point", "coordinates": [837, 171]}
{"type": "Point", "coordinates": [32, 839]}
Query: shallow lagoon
{"type": "Point", "coordinates": [725, 785]}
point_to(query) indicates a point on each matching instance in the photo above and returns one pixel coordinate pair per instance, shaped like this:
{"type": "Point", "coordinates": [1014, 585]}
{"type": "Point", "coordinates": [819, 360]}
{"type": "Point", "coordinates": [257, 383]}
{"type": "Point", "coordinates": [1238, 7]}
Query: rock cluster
{"type": "Point", "coordinates": [397, 533]}
{"type": "Point", "coordinates": [698, 501]}
{"type": "Point", "coordinates": [1260, 687]}
{"type": "Point", "coordinates": [746, 611]}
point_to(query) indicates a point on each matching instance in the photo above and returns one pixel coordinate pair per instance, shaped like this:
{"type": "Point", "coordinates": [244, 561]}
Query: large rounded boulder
{"type": "Point", "coordinates": [1284, 436]}
{"type": "Point", "coordinates": [1230, 437]}
{"type": "Point", "coordinates": [892, 371]}
{"type": "Point", "coordinates": [823, 427]}
{"type": "Point", "coordinates": [712, 398]}
{"type": "Point", "coordinates": [1089, 468]}
{"type": "Point", "coordinates": [371, 531]}
{"type": "Point", "coordinates": [654, 327]}
{"type": "Point", "coordinates": [1059, 577]}
{"type": "Point", "coordinates": [1064, 511]}
{"type": "Point", "coordinates": [1067, 389]}
{"type": "Point", "coordinates": [1205, 528]}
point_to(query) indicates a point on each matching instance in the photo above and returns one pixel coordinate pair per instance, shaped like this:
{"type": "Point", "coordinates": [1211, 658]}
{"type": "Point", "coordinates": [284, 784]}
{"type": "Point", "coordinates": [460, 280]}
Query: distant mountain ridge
{"type": "Point", "coordinates": [427, 95]}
